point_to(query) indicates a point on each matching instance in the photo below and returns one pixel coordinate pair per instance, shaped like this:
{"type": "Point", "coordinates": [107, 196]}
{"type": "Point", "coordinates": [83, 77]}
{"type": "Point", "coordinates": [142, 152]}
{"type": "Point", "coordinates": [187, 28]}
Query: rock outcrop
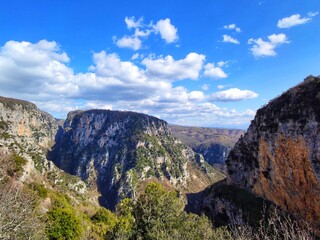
{"type": "Point", "coordinates": [279, 156]}
{"type": "Point", "coordinates": [118, 151]}
{"type": "Point", "coordinates": [24, 119]}
{"type": "Point", "coordinates": [26, 134]}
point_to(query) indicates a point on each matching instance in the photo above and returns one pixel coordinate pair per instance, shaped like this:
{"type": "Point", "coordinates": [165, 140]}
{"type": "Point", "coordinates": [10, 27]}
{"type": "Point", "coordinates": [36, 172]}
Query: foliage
{"type": "Point", "coordinates": [3, 125]}
{"type": "Point", "coordinates": [12, 165]}
{"type": "Point", "coordinates": [18, 162]}
{"type": "Point", "coordinates": [63, 224]}
{"type": "Point", "coordinates": [158, 214]}
{"type": "Point", "coordinates": [104, 221]}
{"type": "Point", "coordinates": [124, 228]}
{"type": "Point", "coordinates": [41, 191]}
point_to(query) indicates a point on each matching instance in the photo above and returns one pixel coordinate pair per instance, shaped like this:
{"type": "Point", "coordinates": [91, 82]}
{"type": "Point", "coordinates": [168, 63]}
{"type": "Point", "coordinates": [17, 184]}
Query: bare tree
{"type": "Point", "coordinates": [18, 219]}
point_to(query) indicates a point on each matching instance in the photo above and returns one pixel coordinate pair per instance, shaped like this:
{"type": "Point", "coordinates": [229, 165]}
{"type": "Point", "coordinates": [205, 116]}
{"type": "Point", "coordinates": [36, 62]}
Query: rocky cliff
{"type": "Point", "coordinates": [26, 134]}
{"type": "Point", "coordinates": [24, 119]}
{"type": "Point", "coordinates": [213, 143]}
{"type": "Point", "coordinates": [279, 156]}
{"type": "Point", "coordinates": [119, 150]}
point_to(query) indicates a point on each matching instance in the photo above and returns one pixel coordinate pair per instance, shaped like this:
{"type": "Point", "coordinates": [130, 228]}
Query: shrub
{"type": "Point", "coordinates": [63, 224]}
{"type": "Point", "coordinates": [41, 191]}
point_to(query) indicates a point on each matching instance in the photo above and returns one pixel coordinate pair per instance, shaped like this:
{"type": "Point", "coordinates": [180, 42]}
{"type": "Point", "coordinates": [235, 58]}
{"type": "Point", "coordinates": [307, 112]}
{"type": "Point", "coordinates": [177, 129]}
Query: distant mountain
{"type": "Point", "coordinates": [213, 143]}
{"type": "Point", "coordinates": [119, 151]}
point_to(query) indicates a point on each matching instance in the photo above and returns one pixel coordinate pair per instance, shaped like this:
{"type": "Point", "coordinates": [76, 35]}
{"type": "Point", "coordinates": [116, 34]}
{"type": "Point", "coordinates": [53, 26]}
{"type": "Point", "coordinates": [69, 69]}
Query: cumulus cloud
{"type": "Point", "coordinates": [28, 68]}
{"type": "Point", "coordinates": [262, 48]}
{"type": "Point", "coordinates": [233, 94]}
{"type": "Point", "coordinates": [132, 23]}
{"type": "Point", "coordinates": [214, 72]}
{"type": "Point", "coordinates": [170, 69]}
{"type": "Point", "coordinates": [205, 87]}
{"type": "Point", "coordinates": [131, 42]}
{"type": "Point", "coordinates": [135, 56]}
{"type": "Point", "coordinates": [167, 31]}
{"type": "Point", "coordinates": [232, 27]}
{"type": "Point", "coordinates": [39, 72]}
{"type": "Point", "coordinates": [197, 95]}
{"type": "Point", "coordinates": [229, 39]}
{"type": "Point", "coordinates": [142, 31]}
{"type": "Point", "coordinates": [294, 20]}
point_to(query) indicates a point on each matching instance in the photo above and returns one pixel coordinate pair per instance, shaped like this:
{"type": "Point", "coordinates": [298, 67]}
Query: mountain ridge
{"type": "Point", "coordinates": [118, 149]}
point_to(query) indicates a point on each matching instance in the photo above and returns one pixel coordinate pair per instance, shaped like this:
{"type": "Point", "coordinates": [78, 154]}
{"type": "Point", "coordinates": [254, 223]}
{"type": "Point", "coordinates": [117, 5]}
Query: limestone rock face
{"type": "Point", "coordinates": [279, 156]}
{"type": "Point", "coordinates": [24, 119]}
{"type": "Point", "coordinates": [118, 150]}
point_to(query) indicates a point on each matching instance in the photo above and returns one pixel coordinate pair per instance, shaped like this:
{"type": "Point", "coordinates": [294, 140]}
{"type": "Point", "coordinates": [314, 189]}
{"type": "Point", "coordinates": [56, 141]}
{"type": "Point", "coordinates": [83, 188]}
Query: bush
{"type": "Point", "coordinates": [19, 162]}
{"type": "Point", "coordinates": [63, 224]}
{"type": "Point", "coordinates": [41, 191]}
{"type": "Point", "coordinates": [158, 214]}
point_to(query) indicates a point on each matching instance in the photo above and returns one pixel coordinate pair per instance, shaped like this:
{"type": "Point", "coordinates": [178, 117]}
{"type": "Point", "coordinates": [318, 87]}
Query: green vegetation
{"type": "Point", "coordinates": [39, 189]}
{"type": "Point", "coordinates": [3, 125]}
{"type": "Point", "coordinates": [17, 165]}
{"type": "Point", "coordinates": [63, 224]}
{"type": "Point", "coordinates": [38, 161]}
{"type": "Point", "coordinates": [158, 214]}
{"type": "Point", "coordinates": [5, 135]}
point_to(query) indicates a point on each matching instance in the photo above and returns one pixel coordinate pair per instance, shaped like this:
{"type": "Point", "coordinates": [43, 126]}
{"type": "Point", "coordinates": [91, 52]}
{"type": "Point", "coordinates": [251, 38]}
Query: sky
{"type": "Point", "coordinates": [209, 63]}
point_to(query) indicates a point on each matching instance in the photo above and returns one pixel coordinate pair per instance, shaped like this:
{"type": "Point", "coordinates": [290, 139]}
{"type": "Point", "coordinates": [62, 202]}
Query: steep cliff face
{"type": "Point", "coordinates": [26, 134]}
{"type": "Point", "coordinates": [24, 119]}
{"type": "Point", "coordinates": [118, 150]}
{"type": "Point", "coordinates": [279, 156]}
{"type": "Point", "coordinates": [213, 143]}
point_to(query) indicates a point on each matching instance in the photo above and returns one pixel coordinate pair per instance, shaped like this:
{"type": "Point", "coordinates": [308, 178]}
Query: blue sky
{"type": "Point", "coordinates": [204, 63]}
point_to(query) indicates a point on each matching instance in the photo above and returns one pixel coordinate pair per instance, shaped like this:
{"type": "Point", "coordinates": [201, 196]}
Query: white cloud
{"type": "Point", "coordinates": [40, 67]}
{"type": "Point", "coordinates": [232, 27]}
{"type": "Point", "coordinates": [132, 23]}
{"type": "Point", "coordinates": [170, 69]}
{"type": "Point", "coordinates": [135, 56]}
{"type": "Point", "coordinates": [197, 96]}
{"type": "Point", "coordinates": [205, 87]}
{"type": "Point", "coordinates": [229, 39]}
{"type": "Point", "coordinates": [38, 72]}
{"type": "Point", "coordinates": [312, 14]}
{"type": "Point", "coordinates": [131, 42]}
{"type": "Point", "coordinates": [142, 31]}
{"type": "Point", "coordinates": [222, 63]}
{"type": "Point", "coordinates": [293, 20]}
{"type": "Point", "coordinates": [263, 48]}
{"type": "Point", "coordinates": [223, 86]}
{"type": "Point", "coordinates": [233, 94]}
{"type": "Point", "coordinates": [214, 72]}
{"type": "Point", "coordinates": [167, 31]}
